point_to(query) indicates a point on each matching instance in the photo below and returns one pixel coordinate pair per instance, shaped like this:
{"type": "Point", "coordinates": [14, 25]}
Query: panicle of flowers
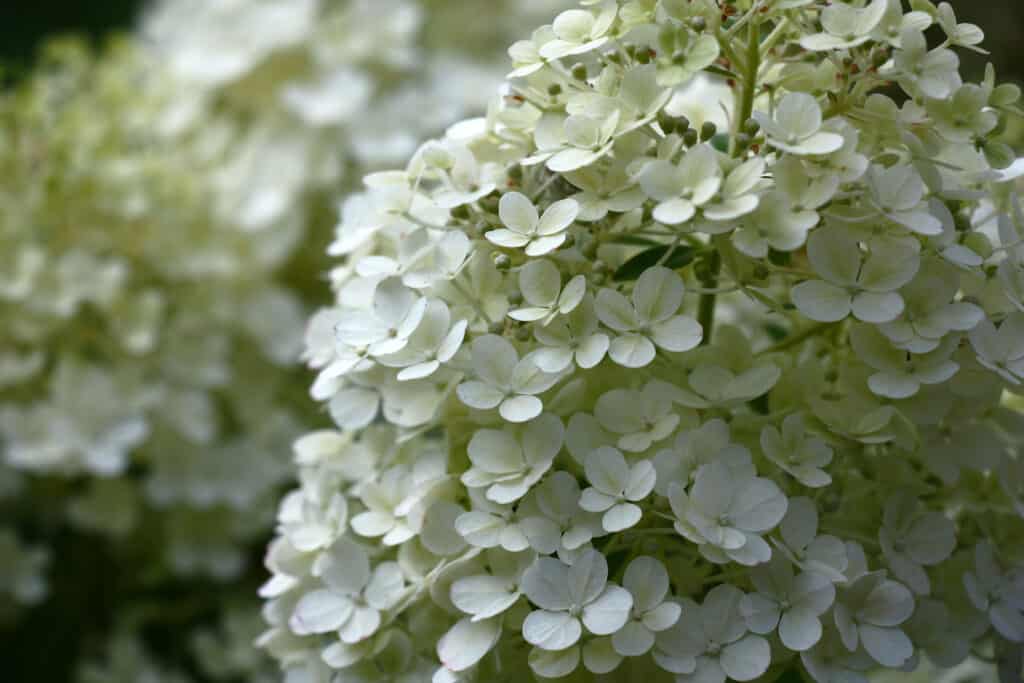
{"type": "Point", "coordinates": [620, 394]}
{"type": "Point", "coordinates": [163, 228]}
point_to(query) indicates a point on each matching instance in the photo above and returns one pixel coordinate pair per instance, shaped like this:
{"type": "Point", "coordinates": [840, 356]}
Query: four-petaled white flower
{"type": "Point", "coordinates": [900, 373]}
{"type": "Point", "coordinates": [798, 454]}
{"type": "Point", "coordinates": [710, 642]}
{"type": "Point", "coordinates": [574, 337]}
{"type": "Point", "coordinates": [648, 319]}
{"type": "Point", "coordinates": [578, 31]}
{"type": "Point", "coordinates": [570, 597]}
{"type": "Point", "coordinates": [846, 26]}
{"type": "Point", "coordinates": [541, 286]}
{"type": "Point", "coordinates": [868, 613]}
{"type": "Point", "coordinates": [912, 539]}
{"type": "Point", "coordinates": [793, 604]}
{"type": "Point", "coordinates": [616, 487]}
{"type": "Point", "coordinates": [796, 127]}
{"type": "Point", "coordinates": [397, 312]}
{"type": "Point", "coordinates": [647, 581]}
{"type": "Point", "coordinates": [800, 542]}
{"type": "Point", "coordinates": [353, 596]}
{"type": "Point", "coordinates": [726, 511]}
{"type": "Point", "coordinates": [524, 227]}
{"type": "Point", "coordinates": [1001, 349]}
{"type": "Point", "coordinates": [639, 418]}
{"type": "Point", "coordinates": [681, 189]}
{"type": "Point", "coordinates": [862, 279]}
{"type": "Point", "coordinates": [434, 342]}
{"type": "Point", "coordinates": [505, 382]}
{"type": "Point", "coordinates": [997, 592]}
{"type": "Point", "coordinates": [510, 461]}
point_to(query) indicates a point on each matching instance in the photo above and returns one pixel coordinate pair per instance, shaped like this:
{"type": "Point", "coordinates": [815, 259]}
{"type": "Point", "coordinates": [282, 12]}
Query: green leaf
{"type": "Point", "coordinates": [636, 241]}
{"type": "Point", "coordinates": [634, 267]}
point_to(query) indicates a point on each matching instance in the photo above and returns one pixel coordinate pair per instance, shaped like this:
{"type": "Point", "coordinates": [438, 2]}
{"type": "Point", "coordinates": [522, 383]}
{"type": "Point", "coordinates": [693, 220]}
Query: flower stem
{"type": "Point", "coordinates": [706, 307]}
{"type": "Point", "coordinates": [751, 67]}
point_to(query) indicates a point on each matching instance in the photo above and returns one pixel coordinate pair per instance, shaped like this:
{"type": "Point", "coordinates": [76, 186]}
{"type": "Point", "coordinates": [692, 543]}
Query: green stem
{"type": "Point", "coordinates": [750, 71]}
{"type": "Point", "coordinates": [792, 340]}
{"type": "Point", "coordinates": [706, 307]}
{"type": "Point", "coordinates": [751, 67]}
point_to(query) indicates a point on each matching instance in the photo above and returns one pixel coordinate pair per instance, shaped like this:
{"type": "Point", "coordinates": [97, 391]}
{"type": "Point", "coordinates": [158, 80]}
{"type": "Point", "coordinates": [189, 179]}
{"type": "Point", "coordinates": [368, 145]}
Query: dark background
{"type": "Point", "coordinates": [24, 23]}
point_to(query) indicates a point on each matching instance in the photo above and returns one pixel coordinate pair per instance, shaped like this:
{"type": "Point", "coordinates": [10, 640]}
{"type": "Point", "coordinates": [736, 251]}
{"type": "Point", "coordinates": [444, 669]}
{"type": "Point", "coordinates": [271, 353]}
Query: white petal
{"type": "Point", "coordinates": [821, 301]}
{"type": "Point", "coordinates": [587, 577]}
{"type": "Point", "coordinates": [557, 664]}
{"type": "Point", "coordinates": [663, 617]}
{"type": "Point", "coordinates": [479, 395]}
{"type": "Point", "coordinates": [518, 213]}
{"type": "Point", "coordinates": [354, 409]}
{"type": "Point", "coordinates": [320, 611]}
{"type": "Point", "coordinates": [621, 516]}
{"type": "Point", "coordinates": [546, 584]}
{"type": "Point", "coordinates": [494, 359]}
{"type": "Point", "coordinates": [480, 529]}
{"type": "Point", "coordinates": [632, 351]}
{"type": "Point", "coordinates": [799, 629]}
{"type": "Point", "coordinates": [559, 216]}
{"type": "Point", "coordinates": [467, 642]}
{"type": "Point", "coordinates": [372, 523]}
{"type": "Point", "coordinates": [507, 238]}
{"type": "Point", "coordinates": [607, 470]}
{"type": "Point", "coordinates": [599, 656]}
{"type": "Point", "coordinates": [364, 623]}
{"type": "Point", "coordinates": [647, 579]}
{"type": "Point", "coordinates": [540, 282]}
{"type": "Point", "coordinates": [551, 630]}
{"type": "Point", "coordinates": [746, 659]}
{"type": "Point", "coordinates": [521, 408]}
{"type": "Point", "coordinates": [592, 350]}
{"type": "Point", "coordinates": [633, 640]}
{"type": "Point", "coordinates": [657, 294]}
{"type": "Point", "coordinates": [874, 307]}
{"type": "Point", "coordinates": [482, 596]}
{"type": "Point", "coordinates": [674, 211]}
{"type": "Point", "coordinates": [495, 451]}
{"type": "Point", "coordinates": [888, 646]}
{"type": "Point", "coordinates": [609, 612]}
{"type": "Point", "coordinates": [680, 333]}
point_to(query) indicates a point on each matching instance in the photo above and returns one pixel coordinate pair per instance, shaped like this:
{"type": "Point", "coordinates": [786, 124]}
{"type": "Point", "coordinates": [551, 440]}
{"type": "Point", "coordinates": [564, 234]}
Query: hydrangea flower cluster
{"type": "Point", "coordinates": [693, 360]}
{"type": "Point", "coordinates": [164, 224]}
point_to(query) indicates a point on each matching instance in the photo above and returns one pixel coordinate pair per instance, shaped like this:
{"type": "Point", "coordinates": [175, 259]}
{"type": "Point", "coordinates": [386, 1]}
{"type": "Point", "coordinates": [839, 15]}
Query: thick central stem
{"type": "Point", "coordinates": [750, 69]}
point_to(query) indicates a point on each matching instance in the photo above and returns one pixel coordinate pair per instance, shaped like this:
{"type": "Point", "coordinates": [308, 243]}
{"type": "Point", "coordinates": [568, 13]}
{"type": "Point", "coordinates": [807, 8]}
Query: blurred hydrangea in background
{"type": "Point", "coordinates": [167, 198]}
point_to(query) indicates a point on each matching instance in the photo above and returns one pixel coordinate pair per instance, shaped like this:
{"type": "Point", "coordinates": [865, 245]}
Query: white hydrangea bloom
{"type": "Point", "coordinates": [668, 450]}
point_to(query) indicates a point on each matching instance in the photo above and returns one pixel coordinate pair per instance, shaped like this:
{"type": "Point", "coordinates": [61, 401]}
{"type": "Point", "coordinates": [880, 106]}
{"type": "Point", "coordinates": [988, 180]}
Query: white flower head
{"type": "Point", "coordinates": [616, 487]}
{"type": "Point", "coordinates": [510, 461]}
{"type": "Point", "coordinates": [524, 227]}
{"type": "Point", "coordinates": [570, 597]}
{"type": "Point", "coordinates": [711, 641]}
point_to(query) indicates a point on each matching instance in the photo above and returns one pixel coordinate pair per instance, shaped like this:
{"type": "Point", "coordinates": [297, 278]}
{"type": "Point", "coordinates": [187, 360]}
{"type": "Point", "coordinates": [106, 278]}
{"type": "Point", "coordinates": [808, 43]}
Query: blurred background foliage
{"type": "Point", "coordinates": [24, 24]}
